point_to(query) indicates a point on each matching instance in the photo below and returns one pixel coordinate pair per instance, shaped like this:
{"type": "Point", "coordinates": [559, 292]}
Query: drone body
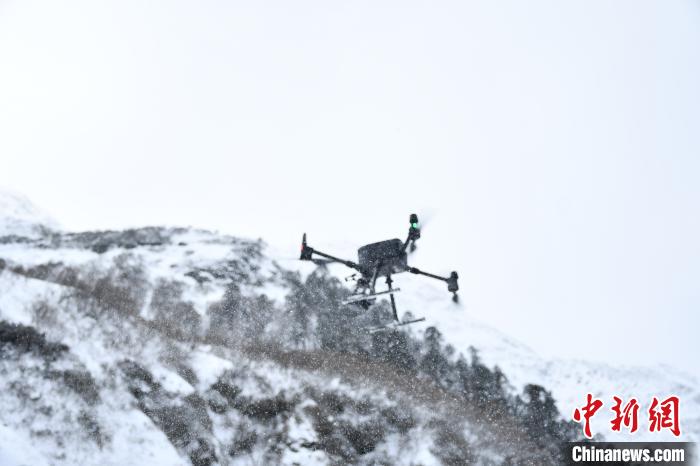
{"type": "Point", "coordinates": [381, 259]}
{"type": "Point", "coordinates": [386, 256]}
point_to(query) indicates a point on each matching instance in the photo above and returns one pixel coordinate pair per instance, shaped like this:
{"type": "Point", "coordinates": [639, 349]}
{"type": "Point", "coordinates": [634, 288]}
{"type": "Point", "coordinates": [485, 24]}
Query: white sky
{"type": "Point", "coordinates": [557, 144]}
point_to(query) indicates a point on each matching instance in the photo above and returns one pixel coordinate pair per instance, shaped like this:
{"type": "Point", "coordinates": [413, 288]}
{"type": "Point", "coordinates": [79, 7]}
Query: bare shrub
{"type": "Point", "coordinates": [244, 440]}
{"type": "Point", "coordinates": [172, 316]}
{"type": "Point", "coordinates": [227, 390]}
{"type": "Point", "coordinates": [401, 418]}
{"type": "Point", "coordinates": [92, 428]}
{"type": "Point", "coordinates": [82, 383]}
{"type": "Point", "coordinates": [452, 448]}
{"type": "Point", "coordinates": [27, 339]}
{"type": "Point", "coordinates": [123, 288]}
{"type": "Point", "coordinates": [44, 314]}
{"type": "Point", "coordinates": [364, 436]}
{"type": "Point", "coordinates": [238, 318]}
{"type": "Point", "coordinates": [175, 357]}
{"type": "Point", "coordinates": [119, 291]}
{"type": "Point", "coordinates": [265, 409]}
{"type": "Point", "coordinates": [68, 276]}
{"type": "Point", "coordinates": [39, 272]}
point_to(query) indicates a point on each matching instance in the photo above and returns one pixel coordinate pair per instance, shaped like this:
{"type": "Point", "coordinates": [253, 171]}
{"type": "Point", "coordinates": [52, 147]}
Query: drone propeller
{"type": "Point", "coordinates": [417, 226]}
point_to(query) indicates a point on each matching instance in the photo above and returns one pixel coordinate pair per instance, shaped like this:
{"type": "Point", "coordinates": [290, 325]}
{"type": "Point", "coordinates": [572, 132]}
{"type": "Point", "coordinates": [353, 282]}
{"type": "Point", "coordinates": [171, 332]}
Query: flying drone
{"type": "Point", "coordinates": [377, 260]}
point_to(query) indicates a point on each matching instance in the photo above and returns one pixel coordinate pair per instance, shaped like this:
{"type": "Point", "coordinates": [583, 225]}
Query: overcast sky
{"type": "Point", "coordinates": [556, 144]}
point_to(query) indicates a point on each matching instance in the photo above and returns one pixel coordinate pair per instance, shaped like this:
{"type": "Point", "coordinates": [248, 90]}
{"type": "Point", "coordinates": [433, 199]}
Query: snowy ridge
{"type": "Point", "coordinates": [20, 217]}
{"type": "Point", "coordinates": [124, 385]}
{"type": "Point", "coordinates": [568, 380]}
{"type": "Point", "coordinates": [135, 379]}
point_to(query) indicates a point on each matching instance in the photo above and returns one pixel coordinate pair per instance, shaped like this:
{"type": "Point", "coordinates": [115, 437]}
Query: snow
{"type": "Point", "coordinates": [171, 381]}
{"type": "Point", "coordinates": [28, 257]}
{"type": "Point", "coordinates": [92, 348]}
{"type": "Point", "coordinates": [97, 346]}
{"type": "Point", "coordinates": [208, 367]}
{"type": "Point", "coordinates": [18, 450]}
{"type": "Point", "coordinates": [135, 440]}
{"type": "Point", "coordinates": [18, 216]}
{"type": "Point", "coordinates": [17, 294]}
{"type": "Point", "coordinates": [302, 431]}
{"type": "Point", "coordinates": [568, 380]}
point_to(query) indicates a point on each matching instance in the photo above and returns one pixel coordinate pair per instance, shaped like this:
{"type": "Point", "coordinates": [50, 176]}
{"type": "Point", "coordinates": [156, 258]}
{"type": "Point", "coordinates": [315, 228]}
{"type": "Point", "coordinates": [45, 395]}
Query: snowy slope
{"type": "Point", "coordinates": [139, 376]}
{"type": "Point", "coordinates": [568, 380]}
{"type": "Point", "coordinates": [141, 379]}
{"type": "Point", "coordinates": [18, 216]}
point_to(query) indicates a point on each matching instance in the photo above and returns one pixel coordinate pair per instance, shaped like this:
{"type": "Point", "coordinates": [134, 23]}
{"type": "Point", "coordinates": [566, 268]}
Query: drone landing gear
{"type": "Point", "coordinates": [396, 323]}
{"type": "Point", "coordinates": [362, 297]}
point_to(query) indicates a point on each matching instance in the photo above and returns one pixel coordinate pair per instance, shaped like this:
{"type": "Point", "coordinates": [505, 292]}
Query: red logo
{"type": "Point", "coordinates": [626, 416]}
{"type": "Point", "coordinates": [662, 415]}
{"type": "Point", "coordinates": [592, 406]}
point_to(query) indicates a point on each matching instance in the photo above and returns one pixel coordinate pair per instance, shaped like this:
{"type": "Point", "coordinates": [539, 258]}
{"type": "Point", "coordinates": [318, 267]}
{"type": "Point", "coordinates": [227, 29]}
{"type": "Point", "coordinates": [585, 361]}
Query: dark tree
{"type": "Point", "coordinates": [394, 347]}
{"type": "Point", "coordinates": [434, 362]}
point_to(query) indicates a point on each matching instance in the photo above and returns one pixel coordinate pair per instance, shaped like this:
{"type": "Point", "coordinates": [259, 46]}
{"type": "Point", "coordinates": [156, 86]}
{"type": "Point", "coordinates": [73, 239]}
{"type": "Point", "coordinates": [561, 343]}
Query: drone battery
{"type": "Point", "coordinates": [389, 255]}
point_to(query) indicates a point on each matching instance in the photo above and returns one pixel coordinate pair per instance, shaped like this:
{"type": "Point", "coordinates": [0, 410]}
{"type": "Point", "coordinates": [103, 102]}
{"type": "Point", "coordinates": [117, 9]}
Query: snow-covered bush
{"type": "Point", "coordinates": [22, 339]}
{"type": "Point", "coordinates": [79, 381]}
{"type": "Point", "coordinates": [239, 319]}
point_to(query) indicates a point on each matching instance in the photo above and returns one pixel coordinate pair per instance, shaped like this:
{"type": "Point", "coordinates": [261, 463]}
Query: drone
{"type": "Point", "coordinates": [377, 260]}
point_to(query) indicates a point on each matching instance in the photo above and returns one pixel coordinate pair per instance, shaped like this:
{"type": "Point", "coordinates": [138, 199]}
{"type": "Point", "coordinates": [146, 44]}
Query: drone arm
{"type": "Point", "coordinates": [413, 235]}
{"type": "Point", "coordinates": [307, 253]}
{"type": "Point", "coordinates": [413, 232]}
{"type": "Point", "coordinates": [389, 281]}
{"type": "Point", "coordinates": [452, 285]}
{"type": "Point", "coordinates": [350, 264]}
{"type": "Point", "coordinates": [420, 272]}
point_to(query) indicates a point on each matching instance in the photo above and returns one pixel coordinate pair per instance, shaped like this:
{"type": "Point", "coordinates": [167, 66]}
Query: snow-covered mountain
{"type": "Point", "coordinates": [116, 381]}
{"type": "Point", "coordinates": [178, 346]}
{"type": "Point", "coordinates": [20, 217]}
{"type": "Point", "coordinates": [569, 380]}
